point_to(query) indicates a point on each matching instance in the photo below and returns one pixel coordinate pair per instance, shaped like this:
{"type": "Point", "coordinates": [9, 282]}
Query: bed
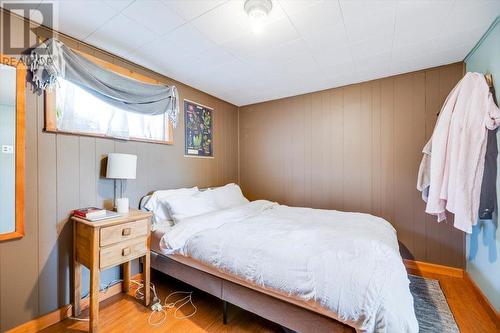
{"type": "Point", "coordinates": [308, 270]}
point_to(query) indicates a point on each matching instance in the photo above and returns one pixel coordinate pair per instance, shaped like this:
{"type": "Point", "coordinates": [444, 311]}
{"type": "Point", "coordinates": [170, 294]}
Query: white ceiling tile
{"type": "Point", "coordinates": [224, 23]}
{"type": "Point", "coordinates": [367, 19]}
{"type": "Point", "coordinates": [296, 84]}
{"type": "Point", "coordinates": [371, 47]}
{"type": "Point", "coordinates": [110, 36]}
{"type": "Point", "coordinates": [208, 60]}
{"type": "Point", "coordinates": [186, 40]}
{"type": "Point", "coordinates": [465, 38]}
{"type": "Point", "coordinates": [452, 55]}
{"type": "Point", "coordinates": [333, 56]}
{"type": "Point", "coordinates": [277, 33]}
{"type": "Point", "coordinates": [327, 38]}
{"type": "Point", "coordinates": [300, 64]}
{"type": "Point", "coordinates": [468, 14]}
{"type": "Point", "coordinates": [420, 20]}
{"type": "Point", "coordinates": [176, 45]}
{"type": "Point", "coordinates": [227, 75]}
{"type": "Point", "coordinates": [190, 9]}
{"type": "Point", "coordinates": [303, 65]}
{"type": "Point", "coordinates": [284, 52]}
{"type": "Point", "coordinates": [313, 19]}
{"type": "Point", "coordinates": [296, 6]}
{"type": "Point", "coordinates": [79, 18]}
{"type": "Point", "coordinates": [229, 21]}
{"type": "Point", "coordinates": [118, 4]}
{"type": "Point", "coordinates": [411, 50]}
{"type": "Point", "coordinates": [154, 15]}
{"type": "Point", "coordinates": [401, 66]}
{"type": "Point", "coordinates": [379, 62]}
{"type": "Point", "coordinates": [214, 56]}
{"type": "Point", "coordinates": [339, 71]}
{"type": "Point", "coordinates": [443, 56]}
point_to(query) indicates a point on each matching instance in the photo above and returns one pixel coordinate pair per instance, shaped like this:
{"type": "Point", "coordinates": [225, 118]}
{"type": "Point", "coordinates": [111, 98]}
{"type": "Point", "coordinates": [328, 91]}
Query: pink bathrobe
{"type": "Point", "coordinates": [451, 170]}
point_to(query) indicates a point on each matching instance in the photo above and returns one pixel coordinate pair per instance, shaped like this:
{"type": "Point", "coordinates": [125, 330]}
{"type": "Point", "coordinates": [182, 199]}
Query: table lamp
{"type": "Point", "coordinates": [121, 167]}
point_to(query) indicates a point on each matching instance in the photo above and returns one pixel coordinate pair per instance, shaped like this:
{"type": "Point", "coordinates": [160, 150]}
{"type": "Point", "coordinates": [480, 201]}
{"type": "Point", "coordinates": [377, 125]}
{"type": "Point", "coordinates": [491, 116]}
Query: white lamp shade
{"type": "Point", "coordinates": [121, 166]}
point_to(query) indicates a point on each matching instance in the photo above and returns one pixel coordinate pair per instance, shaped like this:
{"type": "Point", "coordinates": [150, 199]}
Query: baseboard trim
{"type": "Point", "coordinates": [420, 268]}
{"type": "Point", "coordinates": [65, 311]}
{"type": "Point", "coordinates": [417, 267]}
{"type": "Point", "coordinates": [43, 322]}
{"type": "Point", "coordinates": [485, 302]}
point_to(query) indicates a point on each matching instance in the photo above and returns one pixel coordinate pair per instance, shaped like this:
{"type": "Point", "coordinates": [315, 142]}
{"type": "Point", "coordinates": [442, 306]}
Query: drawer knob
{"type": "Point", "coordinates": [126, 251]}
{"type": "Point", "coordinates": [126, 232]}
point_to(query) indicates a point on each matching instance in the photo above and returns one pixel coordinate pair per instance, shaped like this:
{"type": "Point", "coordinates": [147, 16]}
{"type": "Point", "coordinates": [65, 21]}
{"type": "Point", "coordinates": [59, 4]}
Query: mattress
{"type": "Point", "coordinates": [159, 229]}
{"type": "Point", "coordinates": [349, 263]}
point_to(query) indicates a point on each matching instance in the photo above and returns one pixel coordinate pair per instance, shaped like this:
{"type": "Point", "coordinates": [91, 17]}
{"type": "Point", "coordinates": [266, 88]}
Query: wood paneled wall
{"type": "Point", "coordinates": [354, 148]}
{"type": "Point", "coordinates": [64, 172]}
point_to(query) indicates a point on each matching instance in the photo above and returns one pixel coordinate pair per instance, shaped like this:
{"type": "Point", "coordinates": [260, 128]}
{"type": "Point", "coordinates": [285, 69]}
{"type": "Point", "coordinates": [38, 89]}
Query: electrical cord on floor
{"type": "Point", "coordinates": [101, 290]}
{"type": "Point", "coordinates": [157, 306]}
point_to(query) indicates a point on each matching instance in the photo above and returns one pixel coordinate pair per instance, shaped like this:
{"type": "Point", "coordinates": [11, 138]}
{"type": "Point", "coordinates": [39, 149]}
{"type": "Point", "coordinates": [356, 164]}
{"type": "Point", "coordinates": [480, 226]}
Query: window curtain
{"type": "Point", "coordinates": [52, 60]}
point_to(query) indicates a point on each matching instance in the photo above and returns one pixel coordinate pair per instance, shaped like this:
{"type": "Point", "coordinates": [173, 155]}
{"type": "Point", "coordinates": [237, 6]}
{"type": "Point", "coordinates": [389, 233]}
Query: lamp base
{"type": "Point", "coordinates": [122, 205]}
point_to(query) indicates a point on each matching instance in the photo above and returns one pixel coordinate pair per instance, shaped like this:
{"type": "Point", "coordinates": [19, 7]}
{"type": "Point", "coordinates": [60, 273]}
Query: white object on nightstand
{"type": "Point", "coordinates": [122, 167]}
{"type": "Point", "coordinates": [122, 205]}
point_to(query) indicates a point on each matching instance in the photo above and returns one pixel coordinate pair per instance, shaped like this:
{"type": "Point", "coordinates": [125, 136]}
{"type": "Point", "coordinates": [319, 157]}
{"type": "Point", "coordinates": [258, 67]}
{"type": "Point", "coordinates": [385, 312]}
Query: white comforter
{"type": "Point", "coordinates": [347, 262]}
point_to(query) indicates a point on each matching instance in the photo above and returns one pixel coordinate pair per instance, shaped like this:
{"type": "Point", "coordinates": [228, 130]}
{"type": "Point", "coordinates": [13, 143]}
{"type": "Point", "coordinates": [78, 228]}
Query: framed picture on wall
{"type": "Point", "coordinates": [198, 130]}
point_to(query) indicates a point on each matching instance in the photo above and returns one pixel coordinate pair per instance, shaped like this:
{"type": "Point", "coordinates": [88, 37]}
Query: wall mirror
{"type": "Point", "coordinates": [12, 147]}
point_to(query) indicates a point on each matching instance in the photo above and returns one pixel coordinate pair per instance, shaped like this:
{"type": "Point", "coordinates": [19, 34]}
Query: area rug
{"type": "Point", "coordinates": [432, 310]}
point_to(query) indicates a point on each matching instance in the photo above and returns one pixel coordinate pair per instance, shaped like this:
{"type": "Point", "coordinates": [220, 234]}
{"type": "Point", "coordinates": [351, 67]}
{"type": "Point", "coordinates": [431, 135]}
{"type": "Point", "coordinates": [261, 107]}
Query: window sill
{"type": "Point", "coordinates": [103, 136]}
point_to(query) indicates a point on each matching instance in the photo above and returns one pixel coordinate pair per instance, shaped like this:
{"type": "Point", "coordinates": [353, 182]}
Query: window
{"type": "Point", "coordinates": [72, 109]}
{"type": "Point", "coordinates": [78, 111]}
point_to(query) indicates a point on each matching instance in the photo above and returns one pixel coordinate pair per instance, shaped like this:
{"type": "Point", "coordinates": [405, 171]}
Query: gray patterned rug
{"type": "Point", "coordinates": [432, 310]}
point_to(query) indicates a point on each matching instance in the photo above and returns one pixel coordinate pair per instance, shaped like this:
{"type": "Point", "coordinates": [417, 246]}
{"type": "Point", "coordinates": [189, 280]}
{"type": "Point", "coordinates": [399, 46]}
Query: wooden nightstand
{"type": "Point", "coordinates": [103, 244]}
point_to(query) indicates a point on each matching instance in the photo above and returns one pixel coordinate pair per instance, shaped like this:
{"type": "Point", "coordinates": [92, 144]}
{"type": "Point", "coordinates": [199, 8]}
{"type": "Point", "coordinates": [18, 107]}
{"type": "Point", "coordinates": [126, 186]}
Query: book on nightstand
{"type": "Point", "coordinates": [95, 214]}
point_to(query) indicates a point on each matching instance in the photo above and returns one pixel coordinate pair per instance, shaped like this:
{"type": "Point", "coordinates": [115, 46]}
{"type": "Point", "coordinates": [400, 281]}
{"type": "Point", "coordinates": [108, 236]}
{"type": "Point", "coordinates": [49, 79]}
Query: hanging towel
{"type": "Point", "coordinates": [451, 170]}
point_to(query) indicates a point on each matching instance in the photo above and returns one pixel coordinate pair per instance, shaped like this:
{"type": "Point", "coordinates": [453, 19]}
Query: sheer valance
{"type": "Point", "coordinates": [52, 60]}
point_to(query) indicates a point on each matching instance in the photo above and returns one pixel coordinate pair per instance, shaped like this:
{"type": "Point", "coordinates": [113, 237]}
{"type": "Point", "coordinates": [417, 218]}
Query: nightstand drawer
{"type": "Point", "coordinates": [124, 251]}
{"type": "Point", "coordinates": [123, 232]}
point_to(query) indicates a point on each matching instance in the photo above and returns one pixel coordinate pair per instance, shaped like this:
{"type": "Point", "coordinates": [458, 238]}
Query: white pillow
{"type": "Point", "coordinates": [228, 196]}
{"type": "Point", "coordinates": [158, 205]}
{"type": "Point", "coordinates": [187, 206]}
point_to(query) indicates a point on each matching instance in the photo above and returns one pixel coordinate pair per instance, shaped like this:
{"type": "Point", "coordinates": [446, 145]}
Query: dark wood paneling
{"type": "Point", "coordinates": [354, 148]}
{"type": "Point", "coordinates": [64, 172]}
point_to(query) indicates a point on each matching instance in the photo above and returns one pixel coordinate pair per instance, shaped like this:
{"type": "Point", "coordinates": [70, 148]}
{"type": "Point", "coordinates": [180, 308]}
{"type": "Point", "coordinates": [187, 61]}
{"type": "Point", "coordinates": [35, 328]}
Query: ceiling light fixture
{"type": "Point", "coordinates": [258, 10]}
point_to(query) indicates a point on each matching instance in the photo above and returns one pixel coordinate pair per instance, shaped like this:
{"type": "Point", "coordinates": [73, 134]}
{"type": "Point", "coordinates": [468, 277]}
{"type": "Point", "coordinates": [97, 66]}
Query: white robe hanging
{"type": "Point", "coordinates": [452, 168]}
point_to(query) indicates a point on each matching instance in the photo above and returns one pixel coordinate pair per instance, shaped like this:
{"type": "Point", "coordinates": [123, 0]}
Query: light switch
{"type": "Point", "coordinates": [7, 149]}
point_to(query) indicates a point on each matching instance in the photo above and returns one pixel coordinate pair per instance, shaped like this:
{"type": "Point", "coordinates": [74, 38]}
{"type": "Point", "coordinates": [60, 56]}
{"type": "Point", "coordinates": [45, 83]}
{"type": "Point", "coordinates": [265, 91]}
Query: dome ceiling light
{"type": "Point", "coordinates": [258, 10]}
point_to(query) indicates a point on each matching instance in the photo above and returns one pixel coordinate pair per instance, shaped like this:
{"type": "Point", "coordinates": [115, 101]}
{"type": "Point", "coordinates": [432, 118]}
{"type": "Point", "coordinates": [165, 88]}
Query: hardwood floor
{"type": "Point", "coordinates": [123, 313]}
{"type": "Point", "coordinates": [469, 314]}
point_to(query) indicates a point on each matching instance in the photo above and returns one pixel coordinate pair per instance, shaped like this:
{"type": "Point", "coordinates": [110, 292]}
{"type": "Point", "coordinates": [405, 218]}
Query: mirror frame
{"type": "Point", "coordinates": [20, 144]}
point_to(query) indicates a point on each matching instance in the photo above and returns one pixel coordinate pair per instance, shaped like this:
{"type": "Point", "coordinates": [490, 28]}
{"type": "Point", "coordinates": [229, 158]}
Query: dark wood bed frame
{"type": "Point", "coordinates": [289, 312]}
